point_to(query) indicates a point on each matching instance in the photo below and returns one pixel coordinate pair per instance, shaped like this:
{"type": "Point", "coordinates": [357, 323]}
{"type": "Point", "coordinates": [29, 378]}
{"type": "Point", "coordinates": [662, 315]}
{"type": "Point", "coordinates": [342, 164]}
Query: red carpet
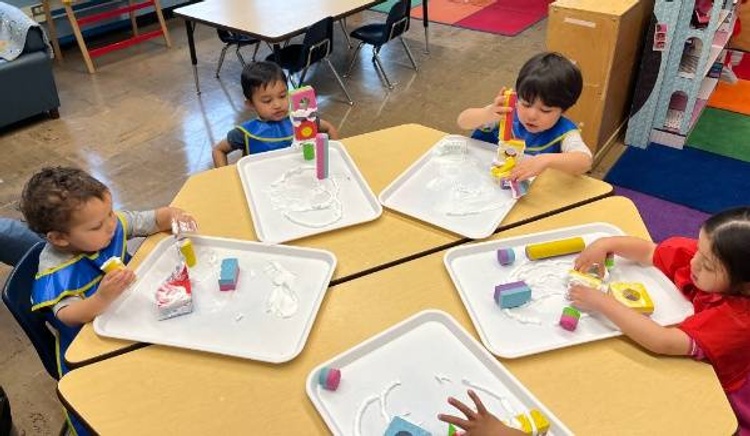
{"type": "Point", "coordinates": [507, 17]}
{"type": "Point", "coordinates": [502, 17]}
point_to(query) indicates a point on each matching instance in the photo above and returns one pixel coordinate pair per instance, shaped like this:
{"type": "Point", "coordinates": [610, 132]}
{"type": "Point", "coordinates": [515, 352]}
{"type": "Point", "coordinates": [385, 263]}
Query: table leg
{"type": "Point", "coordinates": [190, 28]}
{"type": "Point", "coordinates": [52, 29]}
{"type": "Point", "coordinates": [425, 23]}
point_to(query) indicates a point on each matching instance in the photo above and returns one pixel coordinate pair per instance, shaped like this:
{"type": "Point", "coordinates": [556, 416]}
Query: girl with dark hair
{"type": "Point", "coordinates": [712, 272]}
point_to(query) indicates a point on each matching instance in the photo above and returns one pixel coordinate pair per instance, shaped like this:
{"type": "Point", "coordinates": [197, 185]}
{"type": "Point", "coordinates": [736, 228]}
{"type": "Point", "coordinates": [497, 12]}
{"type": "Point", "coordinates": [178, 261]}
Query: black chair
{"type": "Point", "coordinates": [17, 297]}
{"type": "Point", "coordinates": [379, 34]}
{"type": "Point", "coordinates": [316, 46]}
{"type": "Point", "coordinates": [237, 39]}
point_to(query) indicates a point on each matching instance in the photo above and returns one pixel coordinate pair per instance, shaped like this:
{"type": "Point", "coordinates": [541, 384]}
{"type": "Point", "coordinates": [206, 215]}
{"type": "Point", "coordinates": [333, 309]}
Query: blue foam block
{"type": "Point", "coordinates": [229, 271]}
{"type": "Point", "coordinates": [512, 294]}
{"type": "Point", "coordinates": [402, 427]}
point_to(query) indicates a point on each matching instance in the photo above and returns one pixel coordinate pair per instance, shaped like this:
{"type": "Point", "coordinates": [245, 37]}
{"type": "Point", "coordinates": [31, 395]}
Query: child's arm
{"type": "Point", "coordinates": [326, 127]}
{"type": "Point", "coordinates": [631, 248]}
{"type": "Point", "coordinates": [473, 118]}
{"type": "Point", "coordinates": [219, 153]}
{"type": "Point", "coordinates": [573, 162]}
{"type": "Point", "coordinates": [642, 329]}
{"type": "Point", "coordinates": [82, 311]}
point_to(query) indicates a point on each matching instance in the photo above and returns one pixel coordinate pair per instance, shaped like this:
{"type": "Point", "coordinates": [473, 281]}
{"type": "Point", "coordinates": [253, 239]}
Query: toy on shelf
{"type": "Point", "coordinates": [321, 156]}
{"type": "Point", "coordinates": [112, 264]}
{"type": "Point", "coordinates": [514, 294]}
{"type": "Point", "coordinates": [569, 318]}
{"type": "Point", "coordinates": [632, 295]}
{"type": "Point", "coordinates": [400, 427]}
{"type": "Point", "coordinates": [304, 116]}
{"type": "Point", "coordinates": [533, 423]}
{"type": "Point", "coordinates": [230, 272]}
{"type": "Point", "coordinates": [174, 297]}
{"type": "Point", "coordinates": [506, 256]}
{"type": "Point", "coordinates": [543, 250]}
{"type": "Point", "coordinates": [329, 378]}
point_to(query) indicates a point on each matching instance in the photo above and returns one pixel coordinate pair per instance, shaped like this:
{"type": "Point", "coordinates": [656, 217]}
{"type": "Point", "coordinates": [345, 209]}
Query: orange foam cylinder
{"type": "Point", "coordinates": [561, 247]}
{"type": "Point", "coordinates": [505, 126]}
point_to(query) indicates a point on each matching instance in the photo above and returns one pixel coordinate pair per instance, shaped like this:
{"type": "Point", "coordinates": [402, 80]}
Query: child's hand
{"type": "Point", "coordinates": [593, 256]}
{"type": "Point", "coordinates": [585, 298]}
{"type": "Point", "coordinates": [477, 423]}
{"type": "Point", "coordinates": [528, 167]}
{"type": "Point", "coordinates": [181, 221]}
{"type": "Point", "coordinates": [498, 108]}
{"type": "Point", "coordinates": [114, 283]}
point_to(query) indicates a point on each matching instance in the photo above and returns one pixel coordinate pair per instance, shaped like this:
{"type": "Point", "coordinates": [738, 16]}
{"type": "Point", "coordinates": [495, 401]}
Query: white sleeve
{"type": "Point", "coordinates": [573, 142]}
{"type": "Point", "coordinates": [65, 302]}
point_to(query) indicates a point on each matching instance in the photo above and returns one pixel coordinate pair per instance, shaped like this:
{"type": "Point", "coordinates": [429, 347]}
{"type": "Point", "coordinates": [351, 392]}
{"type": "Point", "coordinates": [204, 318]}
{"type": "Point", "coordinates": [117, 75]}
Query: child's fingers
{"type": "Point", "coordinates": [455, 420]}
{"type": "Point", "coordinates": [466, 410]}
{"type": "Point", "coordinates": [477, 402]}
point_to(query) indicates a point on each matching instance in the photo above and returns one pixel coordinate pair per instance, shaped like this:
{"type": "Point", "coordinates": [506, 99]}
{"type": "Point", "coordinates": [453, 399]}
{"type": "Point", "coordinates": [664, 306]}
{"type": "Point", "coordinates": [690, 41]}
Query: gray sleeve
{"type": "Point", "coordinates": [236, 139]}
{"type": "Point", "coordinates": [140, 223]}
{"type": "Point", "coordinates": [573, 142]}
{"type": "Point", "coordinates": [67, 301]}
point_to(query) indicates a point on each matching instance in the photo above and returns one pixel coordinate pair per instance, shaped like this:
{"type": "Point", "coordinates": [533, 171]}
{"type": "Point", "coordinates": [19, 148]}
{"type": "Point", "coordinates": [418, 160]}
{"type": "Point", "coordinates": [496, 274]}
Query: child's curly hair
{"type": "Point", "coordinates": [52, 195]}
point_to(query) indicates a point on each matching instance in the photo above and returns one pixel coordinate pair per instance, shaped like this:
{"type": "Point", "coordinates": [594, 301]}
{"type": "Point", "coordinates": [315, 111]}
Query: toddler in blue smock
{"type": "Point", "coordinates": [264, 86]}
{"type": "Point", "coordinates": [547, 85]}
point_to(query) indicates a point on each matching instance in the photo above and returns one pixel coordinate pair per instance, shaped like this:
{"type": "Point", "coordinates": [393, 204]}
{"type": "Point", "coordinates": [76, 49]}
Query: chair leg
{"type": "Point", "coordinates": [302, 76]}
{"type": "Point", "coordinates": [239, 56]}
{"type": "Point", "coordinates": [354, 60]}
{"type": "Point", "coordinates": [342, 22]}
{"type": "Point", "coordinates": [338, 79]}
{"type": "Point", "coordinates": [408, 53]}
{"type": "Point", "coordinates": [255, 50]}
{"type": "Point", "coordinates": [379, 66]}
{"type": "Point", "coordinates": [221, 59]}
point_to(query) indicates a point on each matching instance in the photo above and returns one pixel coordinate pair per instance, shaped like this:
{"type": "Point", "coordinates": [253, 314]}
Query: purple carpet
{"type": "Point", "coordinates": [663, 218]}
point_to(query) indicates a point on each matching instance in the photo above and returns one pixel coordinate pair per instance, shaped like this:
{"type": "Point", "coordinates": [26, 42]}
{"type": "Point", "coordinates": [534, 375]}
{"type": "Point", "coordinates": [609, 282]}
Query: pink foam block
{"type": "Point", "coordinates": [321, 156]}
{"type": "Point", "coordinates": [329, 378]}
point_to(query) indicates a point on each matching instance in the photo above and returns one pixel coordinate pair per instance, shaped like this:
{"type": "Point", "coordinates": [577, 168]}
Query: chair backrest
{"type": "Point", "coordinates": [17, 297]}
{"type": "Point", "coordinates": [318, 42]}
{"type": "Point", "coordinates": [398, 20]}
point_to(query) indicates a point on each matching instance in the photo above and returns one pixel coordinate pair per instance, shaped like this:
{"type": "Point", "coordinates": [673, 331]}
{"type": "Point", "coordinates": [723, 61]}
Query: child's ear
{"type": "Point", "coordinates": [58, 239]}
{"type": "Point", "coordinates": [249, 104]}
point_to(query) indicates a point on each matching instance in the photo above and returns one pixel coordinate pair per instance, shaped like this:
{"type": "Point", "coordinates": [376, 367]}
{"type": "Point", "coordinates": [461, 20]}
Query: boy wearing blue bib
{"type": "Point", "coordinates": [73, 210]}
{"type": "Point", "coordinates": [264, 86]}
{"type": "Point", "coordinates": [547, 85]}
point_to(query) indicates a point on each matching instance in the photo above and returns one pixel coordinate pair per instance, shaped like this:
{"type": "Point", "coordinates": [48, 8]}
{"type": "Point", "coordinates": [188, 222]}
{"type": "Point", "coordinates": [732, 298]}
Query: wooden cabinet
{"type": "Point", "coordinates": [604, 37]}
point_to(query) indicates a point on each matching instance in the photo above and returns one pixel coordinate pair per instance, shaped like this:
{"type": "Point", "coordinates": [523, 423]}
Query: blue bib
{"type": "Point", "coordinates": [80, 277]}
{"type": "Point", "coordinates": [548, 141]}
{"type": "Point", "coordinates": [261, 136]}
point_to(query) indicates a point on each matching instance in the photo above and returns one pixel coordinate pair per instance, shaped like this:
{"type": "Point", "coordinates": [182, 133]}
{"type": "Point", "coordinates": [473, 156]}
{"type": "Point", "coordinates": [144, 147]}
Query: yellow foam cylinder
{"type": "Point", "coordinates": [533, 423]}
{"type": "Point", "coordinates": [112, 264]}
{"type": "Point", "coordinates": [188, 252]}
{"type": "Point", "coordinates": [562, 247]}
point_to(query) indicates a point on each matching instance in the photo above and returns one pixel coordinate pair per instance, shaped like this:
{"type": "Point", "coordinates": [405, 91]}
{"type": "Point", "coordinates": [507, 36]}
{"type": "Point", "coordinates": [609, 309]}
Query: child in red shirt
{"type": "Point", "coordinates": [714, 274]}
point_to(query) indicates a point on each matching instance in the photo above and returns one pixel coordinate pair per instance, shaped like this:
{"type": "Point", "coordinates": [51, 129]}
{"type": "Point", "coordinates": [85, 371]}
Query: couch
{"type": "Point", "coordinates": [27, 86]}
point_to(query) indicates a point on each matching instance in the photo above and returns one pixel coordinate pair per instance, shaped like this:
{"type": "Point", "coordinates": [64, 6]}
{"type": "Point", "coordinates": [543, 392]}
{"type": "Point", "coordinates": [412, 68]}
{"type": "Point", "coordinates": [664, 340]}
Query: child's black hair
{"type": "Point", "coordinates": [259, 75]}
{"type": "Point", "coordinates": [552, 78]}
{"type": "Point", "coordinates": [52, 195]}
{"type": "Point", "coordinates": [729, 233]}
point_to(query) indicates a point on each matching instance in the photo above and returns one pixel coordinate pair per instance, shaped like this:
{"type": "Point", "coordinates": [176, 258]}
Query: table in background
{"type": "Point", "coordinates": [272, 21]}
{"type": "Point", "coordinates": [216, 199]}
{"type": "Point", "coordinates": [610, 386]}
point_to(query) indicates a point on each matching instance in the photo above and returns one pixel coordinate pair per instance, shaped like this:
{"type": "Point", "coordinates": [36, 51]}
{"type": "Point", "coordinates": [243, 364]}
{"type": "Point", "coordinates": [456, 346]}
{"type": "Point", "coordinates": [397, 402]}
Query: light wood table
{"type": "Point", "coordinates": [606, 387]}
{"type": "Point", "coordinates": [216, 199]}
{"type": "Point", "coordinates": [272, 21]}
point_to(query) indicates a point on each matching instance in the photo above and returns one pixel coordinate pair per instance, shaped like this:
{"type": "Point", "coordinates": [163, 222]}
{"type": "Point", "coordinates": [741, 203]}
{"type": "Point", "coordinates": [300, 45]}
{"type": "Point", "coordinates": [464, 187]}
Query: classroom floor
{"type": "Point", "coordinates": [139, 126]}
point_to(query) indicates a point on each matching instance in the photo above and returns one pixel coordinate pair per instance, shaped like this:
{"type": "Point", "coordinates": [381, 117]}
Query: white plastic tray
{"type": "Point", "coordinates": [432, 357]}
{"type": "Point", "coordinates": [533, 328]}
{"type": "Point", "coordinates": [452, 190]}
{"type": "Point", "coordinates": [288, 202]}
{"type": "Point", "coordinates": [234, 323]}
